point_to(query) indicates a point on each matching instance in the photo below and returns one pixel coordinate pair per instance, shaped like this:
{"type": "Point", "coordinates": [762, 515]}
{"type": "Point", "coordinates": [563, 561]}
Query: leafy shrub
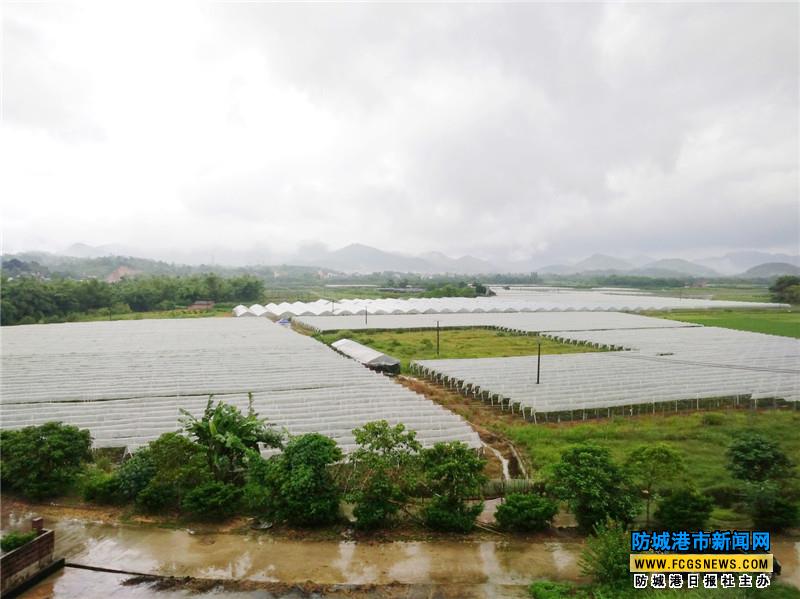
{"type": "Point", "coordinates": [753, 457]}
{"type": "Point", "coordinates": [545, 589]}
{"type": "Point", "coordinates": [771, 509]}
{"type": "Point", "coordinates": [684, 509]}
{"type": "Point", "coordinates": [13, 540]}
{"type": "Point", "coordinates": [296, 486]}
{"type": "Point", "coordinates": [135, 473]}
{"type": "Point", "coordinates": [525, 512]}
{"type": "Point", "coordinates": [157, 497]}
{"type": "Point", "coordinates": [43, 461]}
{"type": "Point", "coordinates": [441, 514]}
{"type": "Point", "coordinates": [102, 488]}
{"type": "Point", "coordinates": [724, 494]}
{"type": "Point", "coordinates": [376, 504]}
{"type": "Point", "coordinates": [212, 501]}
{"type": "Point", "coordinates": [257, 493]}
{"type": "Point", "coordinates": [605, 557]}
{"type": "Point", "coordinates": [452, 474]}
{"type": "Point", "coordinates": [712, 419]}
{"type": "Point", "coordinates": [593, 486]}
{"type": "Point", "coordinates": [179, 464]}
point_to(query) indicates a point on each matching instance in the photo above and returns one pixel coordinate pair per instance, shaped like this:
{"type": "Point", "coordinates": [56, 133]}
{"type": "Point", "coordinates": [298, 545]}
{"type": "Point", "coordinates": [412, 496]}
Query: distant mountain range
{"type": "Point", "coordinates": [748, 264]}
{"type": "Point", "coordinates": [359, 258]}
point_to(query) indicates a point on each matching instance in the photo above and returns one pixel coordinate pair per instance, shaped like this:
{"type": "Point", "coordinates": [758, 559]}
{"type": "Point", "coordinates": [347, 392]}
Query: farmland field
{"type": "Point", "coordinates": [773, 322]}
{"type": "Point", "coordinates": [700, 437]}
{"type": "Point", "coordinates": [453, 343]}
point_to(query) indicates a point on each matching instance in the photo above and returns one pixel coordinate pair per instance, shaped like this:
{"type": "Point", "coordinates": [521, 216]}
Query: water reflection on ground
{"type": "Point", "coordinates": [438, 568]}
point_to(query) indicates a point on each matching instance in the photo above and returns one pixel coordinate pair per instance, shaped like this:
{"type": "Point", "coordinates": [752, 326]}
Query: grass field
{"type": "Point", "coordinates": [773, 322]}
{"type": "Point", "coordinates": [453, 343]}
{"type": "Point", "coordinates": [568, 590]}
{"type": "Point", "coordinates": [700, 437]}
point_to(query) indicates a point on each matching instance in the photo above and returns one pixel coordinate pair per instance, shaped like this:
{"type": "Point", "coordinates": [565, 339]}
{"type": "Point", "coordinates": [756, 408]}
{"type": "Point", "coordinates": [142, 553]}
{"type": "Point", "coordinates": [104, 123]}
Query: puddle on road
{"type": "Point", "coordinates": [493, 568]}
{"type": "Point", "coordinates": [257, 556]}
{"type": "Point", "coordinates": [489, 565]}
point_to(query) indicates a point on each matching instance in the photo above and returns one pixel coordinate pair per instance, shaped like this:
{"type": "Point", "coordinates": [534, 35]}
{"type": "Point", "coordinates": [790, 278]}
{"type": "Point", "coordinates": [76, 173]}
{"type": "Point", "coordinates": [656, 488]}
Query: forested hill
{"type": "Point", "coordinates": [49, 266]}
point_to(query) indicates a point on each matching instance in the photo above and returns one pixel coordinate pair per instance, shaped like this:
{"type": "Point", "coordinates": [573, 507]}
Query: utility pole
{"type": "Point", "coordinates": [538, 360]}
{"type": "Point", "coordinates": [437, 338]}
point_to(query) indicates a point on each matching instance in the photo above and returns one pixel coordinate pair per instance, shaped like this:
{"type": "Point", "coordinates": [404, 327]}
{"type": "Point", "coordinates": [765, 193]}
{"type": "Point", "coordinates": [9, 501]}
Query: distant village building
{"type": "Point", "coordinates": [201, 304]}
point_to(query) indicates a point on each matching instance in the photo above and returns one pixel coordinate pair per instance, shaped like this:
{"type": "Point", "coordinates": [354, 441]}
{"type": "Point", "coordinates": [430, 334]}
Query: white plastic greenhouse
{"type": "Point", "coordinates": [544, 301]}
{"type": "Point", "coordinates": [126, 380]}
{"type": "Point", "coordinates": [682, 366]}
{"type": "Point", "coordinates": [524, 322]}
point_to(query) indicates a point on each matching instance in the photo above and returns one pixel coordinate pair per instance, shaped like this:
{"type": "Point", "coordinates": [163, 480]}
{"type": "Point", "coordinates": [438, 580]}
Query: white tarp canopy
{"type": "Point", "coordinates": [553, 301]}
{"type": "Point", "coordinates": [365, 355]}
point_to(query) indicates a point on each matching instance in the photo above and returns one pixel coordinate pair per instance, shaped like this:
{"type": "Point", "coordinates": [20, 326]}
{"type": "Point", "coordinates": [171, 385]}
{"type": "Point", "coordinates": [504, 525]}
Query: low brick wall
{"type": "Point", "coordinates": [26, 561]}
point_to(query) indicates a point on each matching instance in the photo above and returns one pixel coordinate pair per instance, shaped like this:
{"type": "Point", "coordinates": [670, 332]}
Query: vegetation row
{"type": "Point", "coordinates": [214, 469]}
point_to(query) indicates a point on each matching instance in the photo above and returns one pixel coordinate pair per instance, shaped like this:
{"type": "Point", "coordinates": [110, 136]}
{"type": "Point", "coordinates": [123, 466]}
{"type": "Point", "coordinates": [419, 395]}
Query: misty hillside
{"type": "Point", "coordinates": [677, 265]}
{"type": "Point", "coordinates": [772, 269]}
{"type": "Point", "coordinates": [85, 261]}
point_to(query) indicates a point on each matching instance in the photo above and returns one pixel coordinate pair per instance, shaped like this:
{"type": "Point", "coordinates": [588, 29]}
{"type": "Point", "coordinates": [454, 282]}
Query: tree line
{"type": "Point", "coordinates": [213, 469]}
{"type": "Point", "coordinates": [28, 300]}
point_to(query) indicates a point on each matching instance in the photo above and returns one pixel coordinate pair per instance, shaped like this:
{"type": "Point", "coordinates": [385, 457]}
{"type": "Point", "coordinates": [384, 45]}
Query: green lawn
{"type": "Point", "coordinates": [700, 437]}
{"type": "Point", "coordinates": [453, 343]}
{"type": "Point", "coordinates": [772, 322]}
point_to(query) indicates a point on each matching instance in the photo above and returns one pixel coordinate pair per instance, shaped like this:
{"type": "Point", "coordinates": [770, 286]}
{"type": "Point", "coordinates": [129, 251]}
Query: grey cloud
{"type": "Point", "coordinates": [40, 91]}
{"type": "Point", "coordinates": [547, 130]}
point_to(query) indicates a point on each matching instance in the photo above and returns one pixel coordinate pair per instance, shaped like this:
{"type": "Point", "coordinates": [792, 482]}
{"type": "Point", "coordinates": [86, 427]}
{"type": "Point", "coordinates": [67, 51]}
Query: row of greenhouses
{"type": "Point", "coordinates": [680, 367]}
{"type": "Point", "coordinates": [523, 322]}
{"type": "Point", "coordinates": [552, 301]}
{"type": "Point", "coordinates": [126, 381]}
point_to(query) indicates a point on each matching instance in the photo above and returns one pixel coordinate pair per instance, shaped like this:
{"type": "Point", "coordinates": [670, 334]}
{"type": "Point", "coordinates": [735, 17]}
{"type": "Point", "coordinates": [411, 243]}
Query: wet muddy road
{"type": "Point", "coordinates": [469, 568]}
{"type": "Point", "coordinates": [487, 568]}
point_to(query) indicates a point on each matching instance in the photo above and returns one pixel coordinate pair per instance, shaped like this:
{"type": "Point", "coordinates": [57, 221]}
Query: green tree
{"type": "Point", "coordinates": [383, 471]}
{"type": "Point", "coordinates": [43, 461]}
{"type": "Point", "coordinates": [786, 289]}
{"type": "Point", "coordinates": [684, 509]}
{"type": "Point", "coordinates": [296, 486]}
{"type": "Point", "coordinates": [227, 436]}
{"type": "Point", "coordinates": [752, 457]}
{"type": "Point", "coordinates": [652, 468]}
{"type": "Point", "coordinates": [770, 507]}
{"type": "Point", "coordinates": [593, 486]}
{"type": "Point", "coordinates": [453, 474]}
{"type": "Point", "coordinates": [212, 501]}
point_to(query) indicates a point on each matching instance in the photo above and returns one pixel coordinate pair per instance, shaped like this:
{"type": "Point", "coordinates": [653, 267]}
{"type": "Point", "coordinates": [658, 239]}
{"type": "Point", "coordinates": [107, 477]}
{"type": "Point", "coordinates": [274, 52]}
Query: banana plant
{"type": "Point", "coordinates": [228, 436]}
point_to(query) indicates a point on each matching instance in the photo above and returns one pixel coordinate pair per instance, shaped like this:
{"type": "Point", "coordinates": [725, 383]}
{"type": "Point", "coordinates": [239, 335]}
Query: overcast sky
{"type": "Point", "coordinates": [508, 131]}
